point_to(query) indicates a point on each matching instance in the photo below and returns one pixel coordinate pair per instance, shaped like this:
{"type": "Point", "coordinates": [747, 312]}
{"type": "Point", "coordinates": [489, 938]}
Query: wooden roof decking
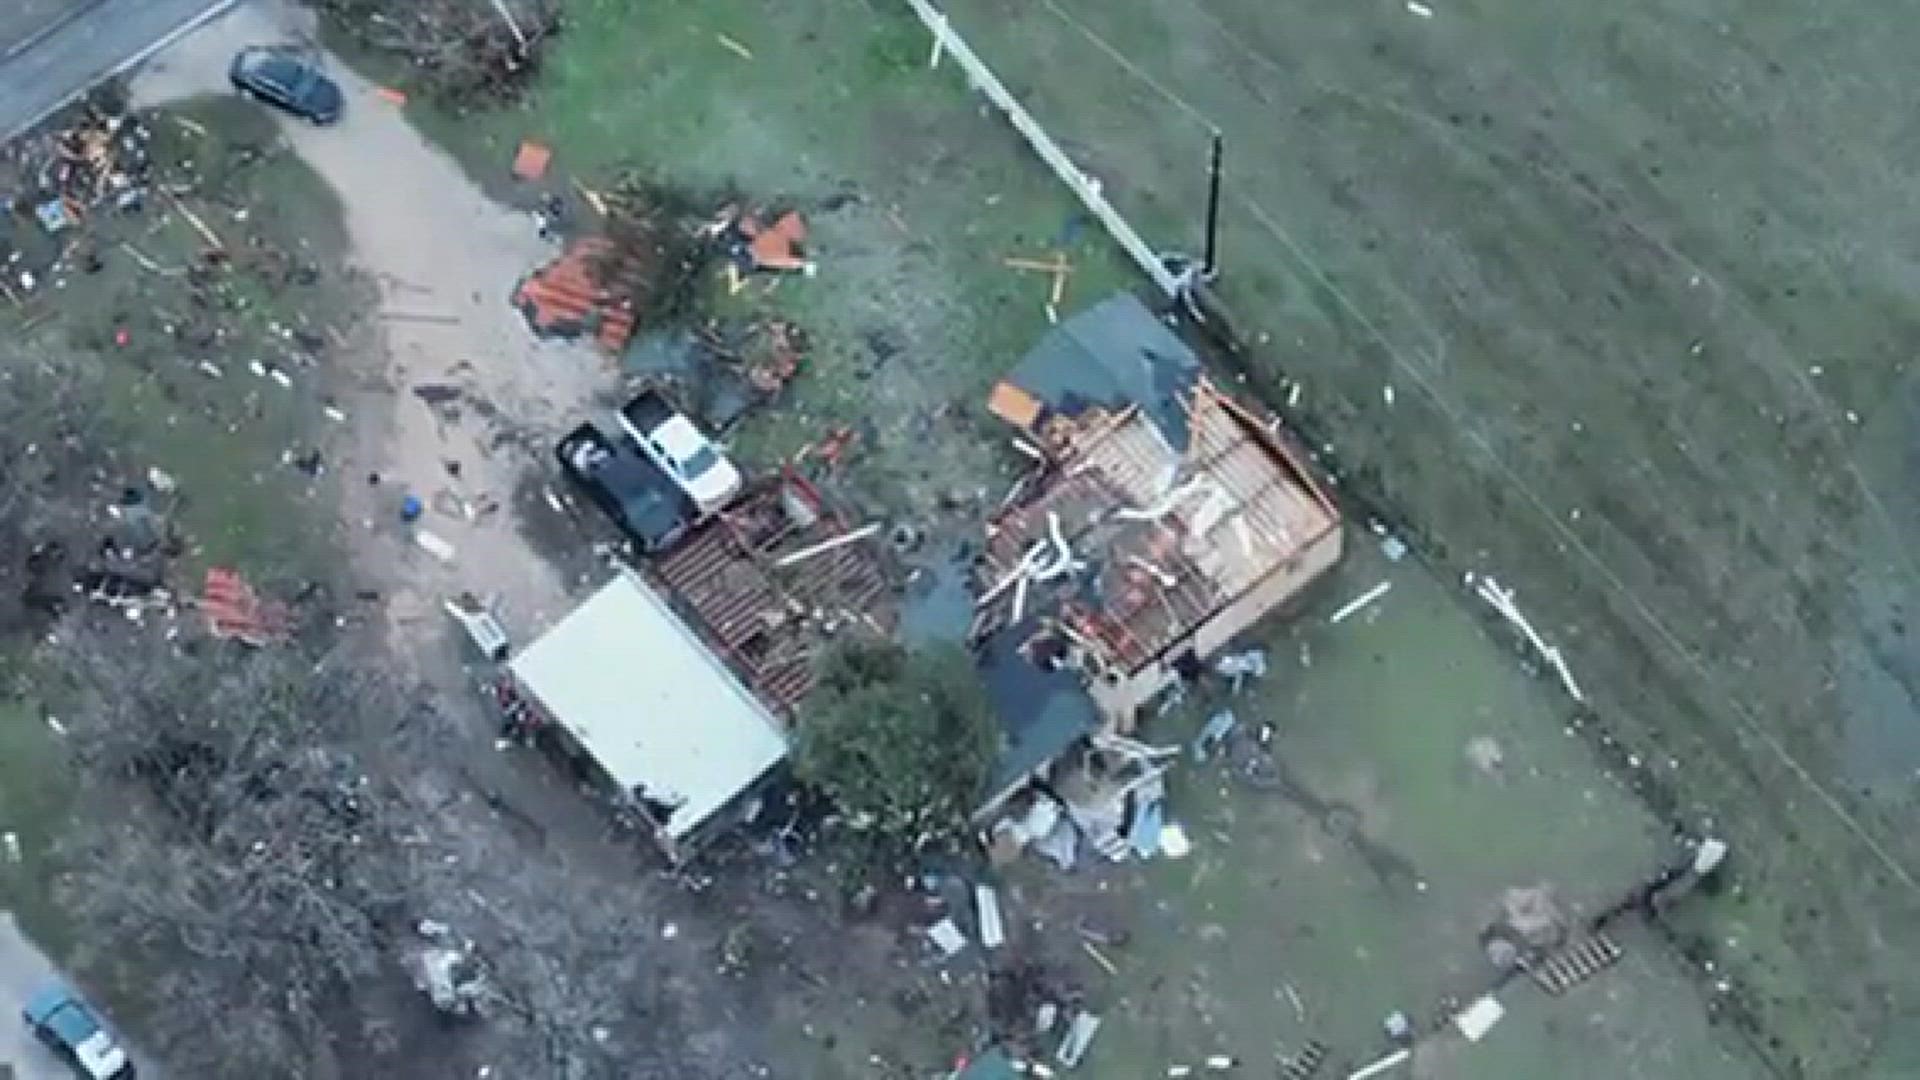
{"type": "Point", "coordinates": [762, 617]}
{"type": "Point", "coordinates": [1168, 538]}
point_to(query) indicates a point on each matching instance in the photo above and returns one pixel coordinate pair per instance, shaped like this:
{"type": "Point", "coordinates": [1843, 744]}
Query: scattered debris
{"type": "Point", "coordinates": [530, 161]}
{"type": "Point", "coordinates": [1057, 268]}
{"type": "Point", "coordinates": [993, 933]}
{"type": "Point", "coordinates": [1303, 1065]}
{"type": "Point", "coordinates": [451, 976]}
{"type": "Point", "coordinates": [54, 216]}
{"type": "Point", "coordinates": [212, 238]}
{"type": "Point", "coordinates": [1501, 600]}
{"type": "Point", "coordinates": [571, 296]}
{"type": "Point", "coordinates": [734, 47]}
{"type": "Point", "coordinates": [1241, 666]}
{"type": "Point", "coordinates": [1351, 607]}
{"type": "Point", "coordinates": [1079, 1037]}
{"type": "Point", "coordinates": [750, 244]}
{"type": "Point", "coordinates": [234, 611]}
{"type": "Point", "coordinates": [434, 545]}
{"type": "Point", "coordinates": [1478, 1018]}
{"type": "Point", "coordinates": [851, 537]}
{"type": "Point", "coordinates": [10, 843]}
{"type": "Point", "coordinates": [160, 480]}
{"type": "Point", "coordinates": [947, 936]}
{"type": "Point", "coordinates": [1100, 958]}
{"type": "Point", "coordinates": [1393, 548]}
{"type": "Point", "coordinates": [1111, 791]}
{"type": "Point", "coordinates": [482, 628]}
{"type": "Point", "coordinates": [1173, 841]}
{"type": "Point", "coordinates": [1214, 733]}
{"type": "Point", "coordinates": [463, 54]}
{"type": "Point", "coordinates": [1576, 963]}
{"type": "Point", "coordinates": [1397, 1058]}
{"type": "Point", "coordinates": [389, 95]}
{"type": "Point", "coordinates": [1417, 8]}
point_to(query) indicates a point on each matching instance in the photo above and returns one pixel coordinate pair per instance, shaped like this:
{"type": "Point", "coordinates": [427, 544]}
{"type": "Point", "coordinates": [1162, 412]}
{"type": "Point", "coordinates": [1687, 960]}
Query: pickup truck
{"type": "Point", "coordinates": [678, 446]}
{"type": "Point", "coordinates": [637, 494]}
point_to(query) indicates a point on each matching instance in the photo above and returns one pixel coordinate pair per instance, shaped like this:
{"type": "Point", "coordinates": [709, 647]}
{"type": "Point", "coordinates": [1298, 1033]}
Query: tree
{"type": "Point", "coordinates": [464, 52]}
{"type": "Point", "coordinates": [901, 740]}
{"type": "Point", "coordinates": [232, 843]}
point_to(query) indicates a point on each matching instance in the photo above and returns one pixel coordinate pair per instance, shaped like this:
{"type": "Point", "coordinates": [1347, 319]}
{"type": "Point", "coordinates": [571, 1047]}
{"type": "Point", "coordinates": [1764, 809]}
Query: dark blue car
{"type": "Point", "coordinates": [288, 81]}
{"type": "Point", "coordinates": [68, 1025]}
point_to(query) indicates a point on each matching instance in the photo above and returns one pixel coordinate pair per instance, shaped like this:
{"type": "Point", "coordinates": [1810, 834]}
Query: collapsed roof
{"type": "Point", "coordinates": [1161, 500]}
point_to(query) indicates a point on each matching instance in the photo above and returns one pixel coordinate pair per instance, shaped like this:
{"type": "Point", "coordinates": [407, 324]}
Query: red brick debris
{"type": "Point", "coordinates": [565, 298]}
{"type": "Point", "coordinates": [235, 611]}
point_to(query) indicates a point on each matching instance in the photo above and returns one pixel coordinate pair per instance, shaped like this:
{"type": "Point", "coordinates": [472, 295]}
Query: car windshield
{"type": "Point", "coordinates": [287, 73]}
{"type": "Point", "coordinates": [699, 462]}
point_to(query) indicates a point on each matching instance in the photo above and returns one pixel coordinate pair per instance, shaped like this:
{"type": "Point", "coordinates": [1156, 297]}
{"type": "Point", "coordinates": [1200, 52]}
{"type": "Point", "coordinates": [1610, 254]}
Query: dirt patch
{"type": "Point", "coordinates": [444, 258]}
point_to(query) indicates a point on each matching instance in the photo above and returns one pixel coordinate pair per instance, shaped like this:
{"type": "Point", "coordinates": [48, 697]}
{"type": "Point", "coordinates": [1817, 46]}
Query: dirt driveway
{"type": "Point", "coordinates": [444, 258]}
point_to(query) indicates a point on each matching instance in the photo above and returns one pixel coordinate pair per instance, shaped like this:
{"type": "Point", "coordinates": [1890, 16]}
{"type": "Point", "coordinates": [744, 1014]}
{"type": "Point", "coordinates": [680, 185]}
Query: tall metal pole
{"type": "Point", "coordinates": [1210, 266]}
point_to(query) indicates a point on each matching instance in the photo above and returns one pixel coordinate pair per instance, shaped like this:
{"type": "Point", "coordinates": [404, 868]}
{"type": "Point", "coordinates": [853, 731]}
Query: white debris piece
{"type": "Point", "coordinates": [1501, 600]}
{"type": "Point", "coordinates": [1417, 8]}
{"type": "Point", "coordinates": [1242, 665]}
{"type": "Point", "coordinates": [993, 932]}
{"type": "Point", "coordinates": [1351, 607]}
{"type": "Point", "coordinates": [1711, 854]}
{"type": "Point", "coordinates": [160, 480]}
{"type": "Point", "coordinates": [1478, 1018]}
{"type": "Point", "coordinates": [1173, 841]}
{"type": "Point", "coordinates": [1080, 1035]}
{"type": "Point", "coordinates": [947, 935]}
{"type": "Point", "coordinates": [434, 545]}
{"type": "Point", "coordinates": [11, 842]}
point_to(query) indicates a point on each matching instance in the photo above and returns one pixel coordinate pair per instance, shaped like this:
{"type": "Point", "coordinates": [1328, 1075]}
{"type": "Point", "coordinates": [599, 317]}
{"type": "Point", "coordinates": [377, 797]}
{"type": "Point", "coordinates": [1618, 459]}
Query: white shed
{"type": "Point", "coordinates": [640, 693]}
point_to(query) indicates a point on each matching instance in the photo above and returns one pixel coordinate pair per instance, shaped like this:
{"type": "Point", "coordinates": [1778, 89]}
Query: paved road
{"type": "Point", "coordinates": [23, 969]}
{"type": "Point", "coordinates": [110, 37]}
{"type": "Point", "coordinates": [21, 21]}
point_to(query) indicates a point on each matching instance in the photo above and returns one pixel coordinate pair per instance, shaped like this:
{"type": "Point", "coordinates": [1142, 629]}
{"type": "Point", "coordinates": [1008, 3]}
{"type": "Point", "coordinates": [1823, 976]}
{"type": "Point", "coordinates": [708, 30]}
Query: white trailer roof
{"type": "Point", "coordinates": [647, 699]}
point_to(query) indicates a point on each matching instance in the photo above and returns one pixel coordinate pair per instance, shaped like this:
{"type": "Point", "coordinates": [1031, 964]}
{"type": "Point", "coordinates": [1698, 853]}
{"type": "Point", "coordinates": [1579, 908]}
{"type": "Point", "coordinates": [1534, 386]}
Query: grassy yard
{"type": "Point", "coordinates": [912, 315]}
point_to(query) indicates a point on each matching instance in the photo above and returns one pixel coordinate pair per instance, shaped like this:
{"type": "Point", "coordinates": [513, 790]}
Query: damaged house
{"type": "Point", "coordinates": [1163, 519]}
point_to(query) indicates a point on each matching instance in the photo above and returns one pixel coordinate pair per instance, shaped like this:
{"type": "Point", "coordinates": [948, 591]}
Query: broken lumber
{"type": "Point", "coordinates": [212, 238]}
{"type": "Point", "coordinates": [828, 544]}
